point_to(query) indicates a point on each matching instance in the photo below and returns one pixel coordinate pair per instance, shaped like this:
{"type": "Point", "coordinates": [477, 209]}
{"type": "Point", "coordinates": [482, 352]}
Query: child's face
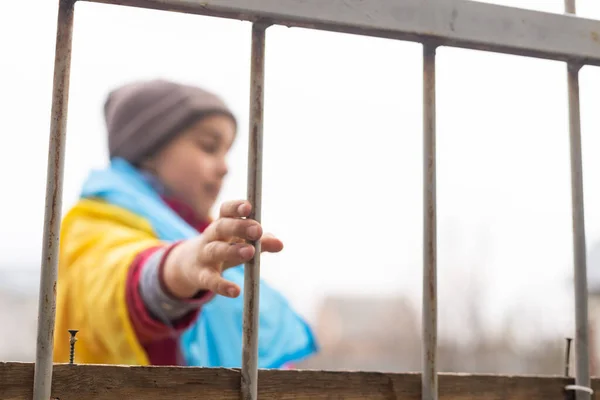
{"type": "Point", "coordinates": [193, 165]}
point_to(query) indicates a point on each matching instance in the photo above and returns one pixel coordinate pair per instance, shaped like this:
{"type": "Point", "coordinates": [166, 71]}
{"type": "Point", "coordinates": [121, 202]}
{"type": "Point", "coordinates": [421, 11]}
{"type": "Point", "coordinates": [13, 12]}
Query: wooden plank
{"type": "Point", "coordinates": [459, 23]}
{"type": "Point", "coordinates": [102, 382]}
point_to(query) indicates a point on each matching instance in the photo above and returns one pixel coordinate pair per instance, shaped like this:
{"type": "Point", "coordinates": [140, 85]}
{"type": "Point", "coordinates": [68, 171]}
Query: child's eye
{"type": "Point", "coordinates": [209, 147]}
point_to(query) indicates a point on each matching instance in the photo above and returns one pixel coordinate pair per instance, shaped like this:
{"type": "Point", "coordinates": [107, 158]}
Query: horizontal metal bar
{"type": "Point", "coordinates": [457, 23]}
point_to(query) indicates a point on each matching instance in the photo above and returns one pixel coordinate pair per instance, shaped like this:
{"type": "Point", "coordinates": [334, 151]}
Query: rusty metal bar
{"type": "Point", "coordinates": [429, 383]}
{"type": "Point", "coordinates": [458, 23]}
{"type": "Point", "coordinates": [582, 373]}
{"type": "Point", "coordinates": [42, 383]}
{"type": "Point", "coordinates": [252, 268]}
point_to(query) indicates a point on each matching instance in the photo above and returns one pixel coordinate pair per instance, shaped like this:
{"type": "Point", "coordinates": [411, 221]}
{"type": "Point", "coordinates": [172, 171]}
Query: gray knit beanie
{"type": "Point", "coordinates": [142, 117]}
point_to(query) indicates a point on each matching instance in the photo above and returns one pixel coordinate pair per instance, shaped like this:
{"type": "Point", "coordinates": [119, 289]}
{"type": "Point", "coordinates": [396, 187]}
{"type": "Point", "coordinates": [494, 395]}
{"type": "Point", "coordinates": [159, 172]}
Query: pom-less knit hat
{"type": "Point", "coordinates": [142, 117]}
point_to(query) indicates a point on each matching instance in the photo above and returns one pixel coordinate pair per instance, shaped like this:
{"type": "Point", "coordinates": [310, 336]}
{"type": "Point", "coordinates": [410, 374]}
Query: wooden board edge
{"type": "Point", "coordinates": [108, 382]}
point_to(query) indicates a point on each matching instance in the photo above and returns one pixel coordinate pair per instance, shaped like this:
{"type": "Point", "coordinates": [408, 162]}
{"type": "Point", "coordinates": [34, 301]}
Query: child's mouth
{"type": "Point", "coordinates": [212, 189]}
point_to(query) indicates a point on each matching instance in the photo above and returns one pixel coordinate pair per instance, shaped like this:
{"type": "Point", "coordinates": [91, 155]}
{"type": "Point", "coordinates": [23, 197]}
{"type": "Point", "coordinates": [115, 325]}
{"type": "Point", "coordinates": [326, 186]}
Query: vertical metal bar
{"type": "Point", "coordinates": [592, 348]}
{"type": "Point", "coordinates": [252, 269]}
{"type": "Point", "coordinates": [429, 324]}
{"type": "Point", "coordinates": [582, 373]}
{"type": "Point", "coordinates": [42, 382]}
{"type": "Point", "coordinates": [582, 376]}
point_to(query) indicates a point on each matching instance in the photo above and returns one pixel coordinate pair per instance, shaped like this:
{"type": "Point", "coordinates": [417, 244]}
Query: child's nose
{"type": "Point", "coordinates": [222, 169]}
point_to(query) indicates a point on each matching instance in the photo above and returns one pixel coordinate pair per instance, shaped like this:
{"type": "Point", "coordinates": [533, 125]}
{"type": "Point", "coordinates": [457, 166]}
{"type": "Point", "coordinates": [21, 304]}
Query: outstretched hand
{"type": "Point", "coordinates": [197, 264]}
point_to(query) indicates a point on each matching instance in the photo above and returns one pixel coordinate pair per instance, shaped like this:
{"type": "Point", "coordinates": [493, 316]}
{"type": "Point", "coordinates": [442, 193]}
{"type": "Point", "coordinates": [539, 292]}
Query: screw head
{"type": "Point", "coordinates": [73, 332]}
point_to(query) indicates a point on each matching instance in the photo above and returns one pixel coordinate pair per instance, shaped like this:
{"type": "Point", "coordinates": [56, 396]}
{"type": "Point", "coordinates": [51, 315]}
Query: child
{"type": "Point", "coordinates": [141, 262]}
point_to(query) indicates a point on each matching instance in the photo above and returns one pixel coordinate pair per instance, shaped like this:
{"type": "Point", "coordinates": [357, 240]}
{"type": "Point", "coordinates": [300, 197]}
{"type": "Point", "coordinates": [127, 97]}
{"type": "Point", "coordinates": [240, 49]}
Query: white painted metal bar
{"type": "Point", "coordinates": [429, 323]}
{"type": "Point", "coordinates": [582, 373]}
{"type": "Point", "coordinates": [249, 383]}
{"type": "Point", "coordinates": [457, 23]}
{"type": "Point", "coordinates": [42, 383]}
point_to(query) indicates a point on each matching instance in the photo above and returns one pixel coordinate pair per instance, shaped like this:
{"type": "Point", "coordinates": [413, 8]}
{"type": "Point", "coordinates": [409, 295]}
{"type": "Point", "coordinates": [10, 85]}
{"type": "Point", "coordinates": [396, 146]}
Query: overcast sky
{"type": "Point", "coordinates": [342, 152]}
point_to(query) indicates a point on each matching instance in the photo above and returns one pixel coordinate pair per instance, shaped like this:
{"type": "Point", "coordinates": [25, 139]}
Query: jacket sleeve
{"type": "Point", "coordinates": [96, 254]}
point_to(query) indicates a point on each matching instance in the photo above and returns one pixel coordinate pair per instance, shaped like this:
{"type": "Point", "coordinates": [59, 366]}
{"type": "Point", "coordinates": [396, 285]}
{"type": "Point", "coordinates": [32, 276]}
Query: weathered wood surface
{"type": "Point", "coordinates": [100, 382]}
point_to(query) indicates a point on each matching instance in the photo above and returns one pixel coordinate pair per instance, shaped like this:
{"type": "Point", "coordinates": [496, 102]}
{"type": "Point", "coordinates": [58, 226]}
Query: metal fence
{"type": "Point", "coordinates": [456, 23]}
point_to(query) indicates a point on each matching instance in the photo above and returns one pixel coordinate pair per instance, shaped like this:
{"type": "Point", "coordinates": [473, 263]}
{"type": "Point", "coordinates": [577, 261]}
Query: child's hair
{"type": "Point", "coordinates": [143, 116]}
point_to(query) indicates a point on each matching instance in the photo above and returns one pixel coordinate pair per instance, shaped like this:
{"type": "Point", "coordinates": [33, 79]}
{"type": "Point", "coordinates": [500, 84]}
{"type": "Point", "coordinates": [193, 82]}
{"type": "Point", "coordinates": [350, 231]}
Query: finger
{"type": "Point", "coordinates": [217, 252]}
{"type": "Point", "coordinates": [235, 209]}
{"type": "Point", "coordinates": [212, 280]}
{"type": "Point", "coordinates": [228, 228]}
{"type": "Point", "coordinates": [270, 244]}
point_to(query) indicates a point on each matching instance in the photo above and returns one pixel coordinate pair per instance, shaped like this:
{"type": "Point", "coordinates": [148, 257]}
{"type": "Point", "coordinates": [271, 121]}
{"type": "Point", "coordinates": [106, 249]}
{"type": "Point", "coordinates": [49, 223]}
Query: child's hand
{"type": "Point", "coordinates": [197, 263]}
